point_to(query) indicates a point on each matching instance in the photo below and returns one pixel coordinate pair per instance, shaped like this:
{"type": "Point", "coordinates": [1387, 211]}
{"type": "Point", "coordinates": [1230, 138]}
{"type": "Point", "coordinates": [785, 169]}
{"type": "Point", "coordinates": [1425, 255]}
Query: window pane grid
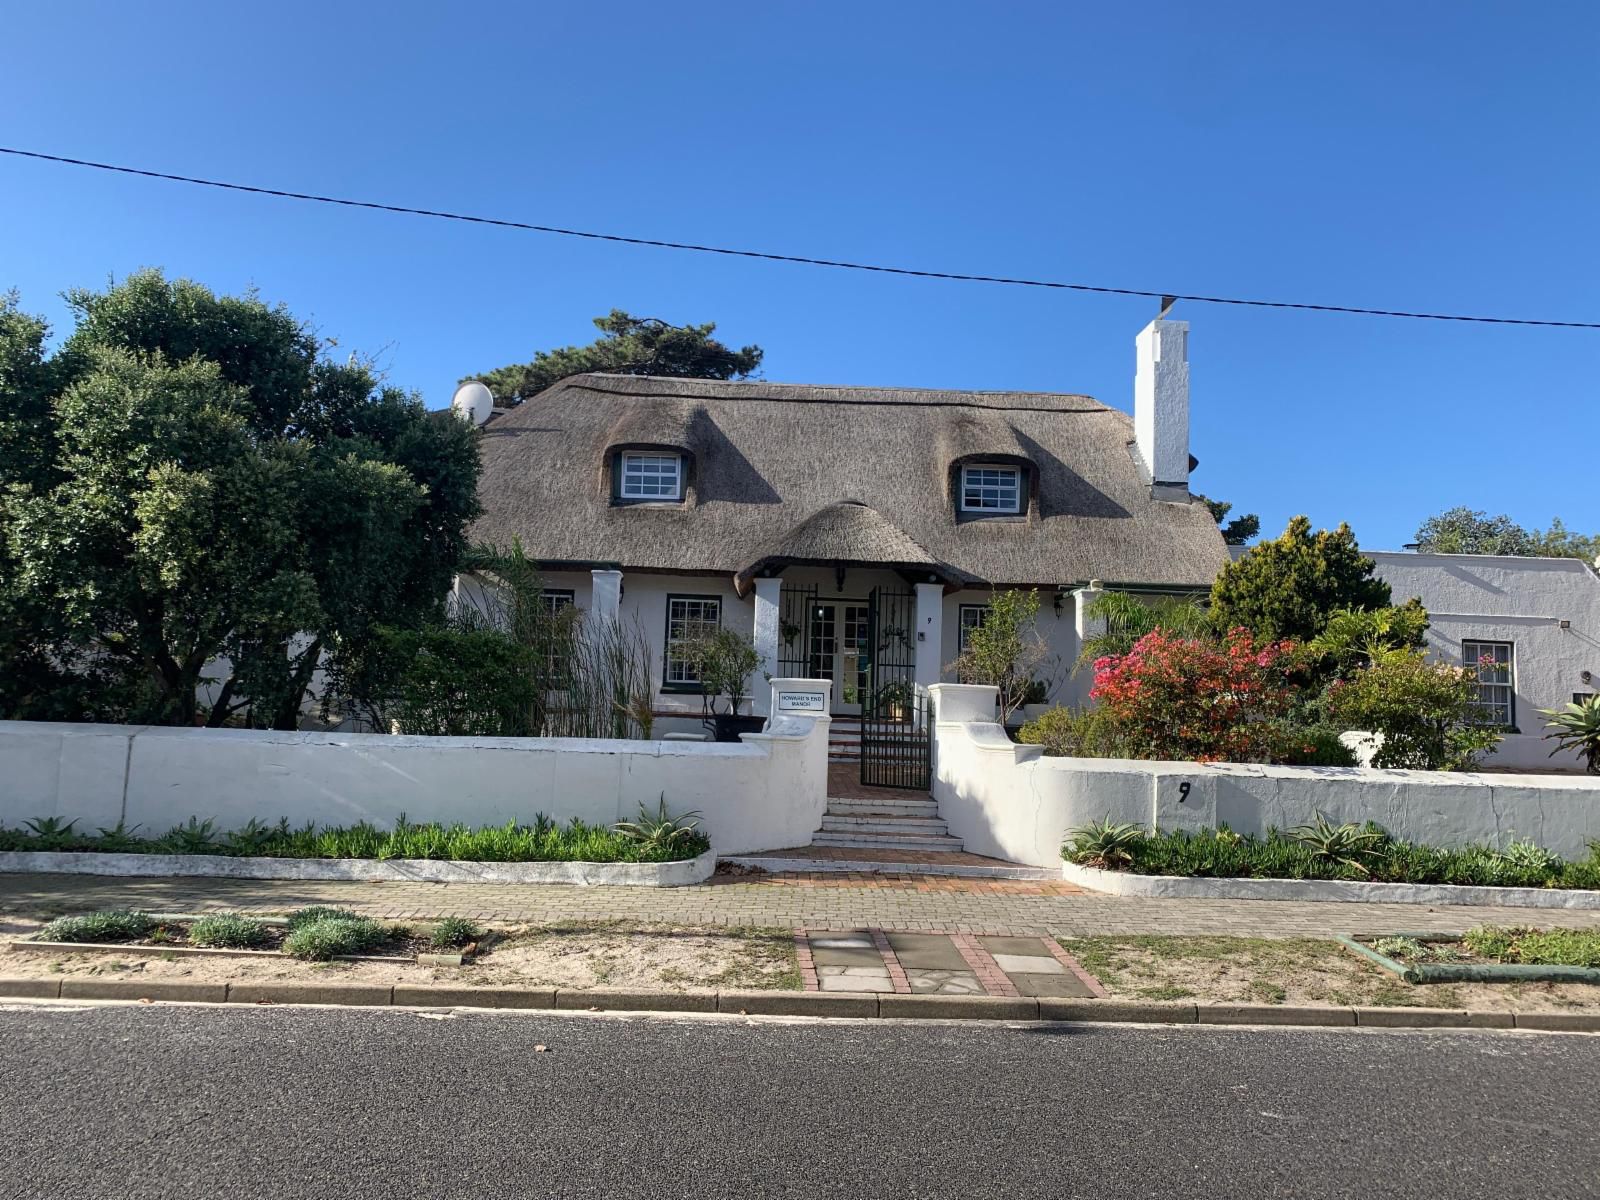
{"type": "Point", "coordinates": [687, 619]}
{"type": "Point", "coordinates": [990, 489]}
{"type": "Point", "coordinates": [1496, 701]}
{"type": "Point", "coordinates": [651, 477]}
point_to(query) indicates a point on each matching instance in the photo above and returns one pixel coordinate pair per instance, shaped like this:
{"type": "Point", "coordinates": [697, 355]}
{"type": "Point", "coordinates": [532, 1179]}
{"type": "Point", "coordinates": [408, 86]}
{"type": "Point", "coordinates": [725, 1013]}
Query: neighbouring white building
{"type": "Point", "coordinates": [1538, 619]}
{"type": "Point", "coordinates": [854, 533]}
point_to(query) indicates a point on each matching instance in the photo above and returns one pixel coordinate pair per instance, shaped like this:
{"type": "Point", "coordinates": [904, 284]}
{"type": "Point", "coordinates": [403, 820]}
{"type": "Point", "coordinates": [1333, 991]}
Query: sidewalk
{"type": "Point", "coordinates": [1019, 908]}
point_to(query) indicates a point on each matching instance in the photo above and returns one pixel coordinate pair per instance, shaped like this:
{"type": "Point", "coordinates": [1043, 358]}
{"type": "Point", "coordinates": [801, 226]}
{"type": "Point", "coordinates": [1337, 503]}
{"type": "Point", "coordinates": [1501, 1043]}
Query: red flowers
{"type": "Point", "coordinates": [1180, 698]}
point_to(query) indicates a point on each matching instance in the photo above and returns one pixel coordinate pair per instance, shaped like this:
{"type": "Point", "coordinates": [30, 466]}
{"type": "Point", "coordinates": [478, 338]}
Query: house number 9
{"type": "Point", "coordinates": [1183, 791]}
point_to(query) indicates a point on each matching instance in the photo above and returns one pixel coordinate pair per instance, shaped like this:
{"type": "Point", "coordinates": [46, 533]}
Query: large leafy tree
{"type": "Point", "coordinates": [1464, 530]}
{"type": "Point", "coordinates": [196, 502]}
{"type": "Point", "coordinates": [628, 345]}
{"type": "Point", "coordinates": [1290, 586]}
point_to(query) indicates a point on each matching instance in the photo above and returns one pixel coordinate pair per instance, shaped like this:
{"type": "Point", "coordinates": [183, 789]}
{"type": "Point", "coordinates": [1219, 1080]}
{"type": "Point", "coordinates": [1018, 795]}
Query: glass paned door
{"type": "Point", "coordinates": [839, 651]}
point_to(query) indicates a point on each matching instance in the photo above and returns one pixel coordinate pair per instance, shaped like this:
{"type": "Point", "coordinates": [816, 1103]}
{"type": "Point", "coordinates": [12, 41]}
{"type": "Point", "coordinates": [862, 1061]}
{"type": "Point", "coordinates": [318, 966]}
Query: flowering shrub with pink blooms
{"type": "Point", "coordinates": [1191, 700]}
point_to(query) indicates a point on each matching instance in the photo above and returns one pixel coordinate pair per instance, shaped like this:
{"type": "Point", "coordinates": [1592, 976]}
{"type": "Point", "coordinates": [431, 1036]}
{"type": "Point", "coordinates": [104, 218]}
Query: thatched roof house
{"type": "Point", "coordinates": [850, 491]}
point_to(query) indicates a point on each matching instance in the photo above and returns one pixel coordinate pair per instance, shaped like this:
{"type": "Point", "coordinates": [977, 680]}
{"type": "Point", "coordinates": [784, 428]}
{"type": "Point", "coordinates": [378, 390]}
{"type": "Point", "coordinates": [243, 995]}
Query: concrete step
{"type": "Point", "coordinates": [887, 841]}
{"type": "Point", "coordinates": [929, 864]}
{"type": "Point", "coordinates": [884, 824]}
{"type": "Point", "coordinates": [857, 807]}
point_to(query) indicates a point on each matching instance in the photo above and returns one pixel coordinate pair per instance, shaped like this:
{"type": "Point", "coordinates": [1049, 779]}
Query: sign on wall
{"type": "Point", "coordinates": [804, 702]}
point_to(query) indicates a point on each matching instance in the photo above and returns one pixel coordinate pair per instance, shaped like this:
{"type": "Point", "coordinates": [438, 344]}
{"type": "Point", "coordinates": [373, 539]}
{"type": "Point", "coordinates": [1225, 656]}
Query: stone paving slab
{"type": "Point", "coordinates": [904, 907]}
{"type": "Point", "coordinates": [1029, 964]}
{"type": "Point", "coordinates": [927, 950]}
{"type": "Point", "coordinates": [1051, 985]}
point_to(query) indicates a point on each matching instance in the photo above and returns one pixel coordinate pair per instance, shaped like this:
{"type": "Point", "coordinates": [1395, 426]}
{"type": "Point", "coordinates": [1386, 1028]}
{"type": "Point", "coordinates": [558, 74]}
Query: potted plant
{"type": "Point", "coordinates": [894, 699]}
{"type": "Point", "coordinates": [724, 660]}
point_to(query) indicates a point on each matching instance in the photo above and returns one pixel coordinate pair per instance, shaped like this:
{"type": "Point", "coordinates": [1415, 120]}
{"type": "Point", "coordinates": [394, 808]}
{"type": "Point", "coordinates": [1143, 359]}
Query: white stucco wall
{"type": "Point", "coordinates": [1010, 802]}
{"type": "Point", "coordinates": [766, 793]}
{"type": "Point", "coordinates": [1518, 600]}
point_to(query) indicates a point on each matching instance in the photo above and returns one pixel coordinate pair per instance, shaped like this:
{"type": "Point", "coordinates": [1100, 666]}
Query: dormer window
{"type": "Point", "coordinates": [650, 476]}
{"type": "Point", "coordinates": [989, 488]}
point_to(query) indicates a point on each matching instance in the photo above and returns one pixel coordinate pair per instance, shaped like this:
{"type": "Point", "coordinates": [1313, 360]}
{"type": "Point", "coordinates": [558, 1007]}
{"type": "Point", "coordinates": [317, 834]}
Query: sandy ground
{"type": "Point", "coordinates": [573, 955]}
{"type": "Point", "coordinates": [1293, 971]}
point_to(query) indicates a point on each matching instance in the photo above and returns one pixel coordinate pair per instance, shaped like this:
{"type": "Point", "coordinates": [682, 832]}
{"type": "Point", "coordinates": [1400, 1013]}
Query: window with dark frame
{"type": "Point", "coordinates": [990, 488]}
{"type": "Point", "coordinates": [688, 618]}
{"type": "Point", "coordinates": [968, 618]}
{"type": "Point", "coordinates": [558, 655]}
{"type": "Point", "coordinates": [1496, 703]}
{"type": "Point", "coordinates": [644, 475]}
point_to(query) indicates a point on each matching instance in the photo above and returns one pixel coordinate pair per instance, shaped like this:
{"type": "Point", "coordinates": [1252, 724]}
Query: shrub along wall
{"type": "Point", "coordinates": [765, 793]}
{"type": "Point", "coordinates": [1007, 800]}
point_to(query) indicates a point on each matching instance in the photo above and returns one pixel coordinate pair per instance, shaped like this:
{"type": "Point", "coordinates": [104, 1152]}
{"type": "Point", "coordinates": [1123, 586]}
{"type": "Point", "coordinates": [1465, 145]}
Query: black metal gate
{"type": "Point", "coordinates": [896, 718]}
{"type": "Point", "coordinates": [796, 611]}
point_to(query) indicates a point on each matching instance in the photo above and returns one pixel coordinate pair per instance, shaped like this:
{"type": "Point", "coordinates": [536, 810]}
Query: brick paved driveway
{"type": "Point", "coordinates": [983, 907]}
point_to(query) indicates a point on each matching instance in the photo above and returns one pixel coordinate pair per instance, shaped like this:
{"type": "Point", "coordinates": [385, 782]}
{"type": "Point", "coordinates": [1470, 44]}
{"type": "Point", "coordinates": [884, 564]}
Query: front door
{"type": "Point", "coordinates": [839, 651]}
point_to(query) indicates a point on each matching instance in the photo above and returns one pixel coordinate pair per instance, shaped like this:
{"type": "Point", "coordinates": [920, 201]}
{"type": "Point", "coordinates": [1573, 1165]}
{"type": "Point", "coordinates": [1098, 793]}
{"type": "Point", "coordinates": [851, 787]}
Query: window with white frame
{"type": "Point", "coordinates": [968, 618]}
{"type": "Point", "coordinates": [1496, 702]}
{"type": "Point", "coordinates": [648, 476]}
{"type": "Point", "coordinates": [688, 618]}
{"type": "Point", "coordinates": [991, 489]}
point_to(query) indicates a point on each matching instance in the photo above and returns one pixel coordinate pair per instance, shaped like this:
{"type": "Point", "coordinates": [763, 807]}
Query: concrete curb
{"type": "Point", "coordinates": [1181, 887]}
{"type": "Point", "coordinates": [392, 870]}
{"type": "Point", "coordinates": [871, 1005]}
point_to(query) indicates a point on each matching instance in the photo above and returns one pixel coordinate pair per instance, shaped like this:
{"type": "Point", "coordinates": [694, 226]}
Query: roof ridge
{"type": "Point", "coordinates": [707, 389]}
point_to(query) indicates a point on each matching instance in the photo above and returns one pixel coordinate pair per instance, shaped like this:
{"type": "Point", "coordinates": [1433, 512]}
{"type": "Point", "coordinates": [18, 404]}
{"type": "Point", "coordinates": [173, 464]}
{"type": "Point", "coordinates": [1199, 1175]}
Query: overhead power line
{"type": "Point", "coordinates": [956, 276]}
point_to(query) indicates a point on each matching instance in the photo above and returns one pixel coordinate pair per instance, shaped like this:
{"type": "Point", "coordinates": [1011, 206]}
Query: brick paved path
{"type": "Point", "coordinates": [978, 907]}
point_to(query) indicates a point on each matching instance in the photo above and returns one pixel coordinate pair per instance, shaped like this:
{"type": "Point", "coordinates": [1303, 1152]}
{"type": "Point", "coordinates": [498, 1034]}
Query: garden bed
{"type": "Point", "coordinates": [1324, 861]}
{"type": "Point", "coordinates": [1195, 887]}
{"type": "Point", "coordinates": [429, 870]}
{"type": "Point", "coordinates": [1487, 955]}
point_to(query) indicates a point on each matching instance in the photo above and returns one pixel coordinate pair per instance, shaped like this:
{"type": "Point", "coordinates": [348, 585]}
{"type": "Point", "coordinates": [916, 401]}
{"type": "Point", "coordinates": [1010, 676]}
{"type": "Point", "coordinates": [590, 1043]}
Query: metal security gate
{"type": "Point", "coordinates": [896, 742]}
{"type": "Point", "coordinates": [796, 607]}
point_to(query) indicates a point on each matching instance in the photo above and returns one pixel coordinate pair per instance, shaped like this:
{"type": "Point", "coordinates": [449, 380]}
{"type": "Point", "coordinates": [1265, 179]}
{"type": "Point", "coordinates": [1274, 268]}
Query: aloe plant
{"type": "Point", "coordinates": [1576, 727]}
{"type": "Point", "coordinates": [1349, 844]}
{"type": "Point", "coordinates": [1104, 844]}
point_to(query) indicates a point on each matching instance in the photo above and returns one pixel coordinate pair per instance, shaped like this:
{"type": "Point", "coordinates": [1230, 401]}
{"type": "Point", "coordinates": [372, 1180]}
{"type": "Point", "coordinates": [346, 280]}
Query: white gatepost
{"type": "Point", "coordinates": [766, 641]}
{"type": "Point", "coordinates": [606, 603]}
{"type": "Point", "coordinates": [1087, 626]}
{"type": "Point", "coordinates": [930, 634]}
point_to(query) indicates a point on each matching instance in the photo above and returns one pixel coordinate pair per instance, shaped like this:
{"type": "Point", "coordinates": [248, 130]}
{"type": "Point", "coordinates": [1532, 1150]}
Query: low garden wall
{"type": "Point", "coordinates": [1009, 801]}
{"type": "Point", "coordinates": [765, 793]}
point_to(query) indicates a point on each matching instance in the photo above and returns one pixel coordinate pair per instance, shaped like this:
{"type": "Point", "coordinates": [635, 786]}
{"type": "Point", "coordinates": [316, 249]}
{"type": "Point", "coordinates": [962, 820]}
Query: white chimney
{"type": "Point", "coordinates": [1161, 406]}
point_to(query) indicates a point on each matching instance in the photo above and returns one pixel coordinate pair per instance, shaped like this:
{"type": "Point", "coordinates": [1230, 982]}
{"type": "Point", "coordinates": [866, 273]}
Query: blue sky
{"type": "Point", "coordinates": [1433, 156]}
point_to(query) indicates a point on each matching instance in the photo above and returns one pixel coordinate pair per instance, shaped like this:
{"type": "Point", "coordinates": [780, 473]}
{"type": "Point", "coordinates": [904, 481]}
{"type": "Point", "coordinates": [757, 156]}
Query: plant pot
{"type": "Point", "coordinates": [726, 727]}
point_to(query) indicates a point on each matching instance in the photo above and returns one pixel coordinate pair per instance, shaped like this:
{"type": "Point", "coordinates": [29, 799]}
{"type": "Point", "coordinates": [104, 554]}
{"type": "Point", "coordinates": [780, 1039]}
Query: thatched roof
{"type": "Point", "coordinates": [783, 473]}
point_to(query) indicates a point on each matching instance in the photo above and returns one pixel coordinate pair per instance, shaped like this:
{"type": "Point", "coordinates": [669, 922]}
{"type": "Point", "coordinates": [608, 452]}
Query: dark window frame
{"type": "Point", "coordinates": [1510, 683]}
{"type": "Point", "coordinates": [682, 686]}
{"type": "Point", "coordinates": [618, 457]}
{"type": "Point", "coordinates": [962, 627]}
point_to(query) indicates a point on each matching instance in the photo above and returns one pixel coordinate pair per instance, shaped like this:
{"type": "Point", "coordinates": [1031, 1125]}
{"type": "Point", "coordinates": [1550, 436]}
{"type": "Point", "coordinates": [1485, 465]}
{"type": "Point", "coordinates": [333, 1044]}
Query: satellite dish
{"type": "Point", "coordinates": [473, 402]}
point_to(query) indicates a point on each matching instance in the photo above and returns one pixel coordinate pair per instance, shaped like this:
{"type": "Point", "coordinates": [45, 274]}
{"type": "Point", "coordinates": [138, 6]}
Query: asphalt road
{"type": "Point", "coordinates": [307, 1104]}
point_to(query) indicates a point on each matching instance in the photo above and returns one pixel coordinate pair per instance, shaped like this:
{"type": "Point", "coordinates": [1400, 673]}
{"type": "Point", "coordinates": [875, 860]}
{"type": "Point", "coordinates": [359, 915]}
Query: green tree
{"type": "Point", "coordinates": [1126, 618]}
{"type": "Point", "coordinates": [628, 345]}
{"type": "Point", "coordinates": [1290, 586]}
{"type": "Point", "coordinates": [1423, 710]}
{"type": "Point", "coordinates": [1237, 531]}
{"type": "Point", "coordinates": [1467, 531]}
{"type": "Point", "coordinates": [1005, 649]}
{"type": "Point", "coordinates": [188, 479]}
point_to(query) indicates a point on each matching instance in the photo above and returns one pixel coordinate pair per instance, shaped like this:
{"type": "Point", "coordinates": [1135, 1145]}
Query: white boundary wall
{"type": "Point", "coordinates": [766, 793]}
{"type": "Point", "coordinates": [1010, 802]}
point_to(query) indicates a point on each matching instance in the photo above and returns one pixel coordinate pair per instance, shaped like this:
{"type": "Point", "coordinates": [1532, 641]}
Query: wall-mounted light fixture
{"type": "Point", "coordinates": [1058, 600]}
{"type": "Point", "coordinates": [1563, 624]}
{"type": "Point", "coordinates": [1586, 676]}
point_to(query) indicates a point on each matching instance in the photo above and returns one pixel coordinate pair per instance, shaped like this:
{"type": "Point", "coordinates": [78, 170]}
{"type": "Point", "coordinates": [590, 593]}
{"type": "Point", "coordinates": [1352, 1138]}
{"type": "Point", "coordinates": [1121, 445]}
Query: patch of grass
{"type": "Point", "coordinates": [328, 937]}
{"type": "Point", "coordinates": [1542, 947]}
{"type": "Point", "coordinates": [455, 931]}
{"type": "Point", "coordinates": [1265, 991]}
{"type": "Point", "coordinates": [1166, 991]}
{"type": "Point", "coordinates": [226, 931]}
{"type": "Point", "coordinates": [115, 926]}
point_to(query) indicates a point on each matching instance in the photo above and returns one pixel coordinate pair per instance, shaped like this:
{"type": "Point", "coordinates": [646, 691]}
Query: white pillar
{"type": "Point", "coordinates": [606, 603]}
{"type": "Point", "coordinates": [766, 641]}
{"type": "Point", "coordinates": [1082, 598]}
{"type": "Point", "coordinates": [930, 633]}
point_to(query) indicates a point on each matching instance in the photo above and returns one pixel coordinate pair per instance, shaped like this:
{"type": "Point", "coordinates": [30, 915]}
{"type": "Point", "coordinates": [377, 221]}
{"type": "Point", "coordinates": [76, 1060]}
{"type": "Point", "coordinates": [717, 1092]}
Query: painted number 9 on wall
{"type": "Point", "coordinates": [1183, 791]}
